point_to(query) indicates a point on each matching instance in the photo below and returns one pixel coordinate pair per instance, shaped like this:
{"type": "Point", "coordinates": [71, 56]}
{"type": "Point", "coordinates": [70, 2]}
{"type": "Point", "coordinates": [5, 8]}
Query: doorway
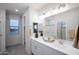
{"type": "Point", "coordinates": [13, 30]}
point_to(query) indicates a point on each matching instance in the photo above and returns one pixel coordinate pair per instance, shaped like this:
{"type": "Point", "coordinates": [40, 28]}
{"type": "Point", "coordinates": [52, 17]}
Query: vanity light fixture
{"type": "Point", "coordinates": [61, 5]}
{"type": "Point", "coordinates": [44, 13]}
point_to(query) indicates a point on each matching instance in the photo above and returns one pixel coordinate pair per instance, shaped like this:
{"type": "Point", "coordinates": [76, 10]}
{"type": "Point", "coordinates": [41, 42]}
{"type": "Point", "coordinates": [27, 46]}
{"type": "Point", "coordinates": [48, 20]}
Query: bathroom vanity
{"type": "Point", "coordinates": [40, 47]}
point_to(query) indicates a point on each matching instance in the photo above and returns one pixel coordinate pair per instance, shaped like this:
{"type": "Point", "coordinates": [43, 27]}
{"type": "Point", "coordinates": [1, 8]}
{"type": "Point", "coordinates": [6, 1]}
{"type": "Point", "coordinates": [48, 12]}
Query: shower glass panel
{"type": "Point", "coordinates": [61, 30]}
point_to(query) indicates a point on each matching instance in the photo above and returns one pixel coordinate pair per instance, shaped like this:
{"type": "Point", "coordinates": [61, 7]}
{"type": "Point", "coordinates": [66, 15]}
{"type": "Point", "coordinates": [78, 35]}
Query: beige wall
{"type": "Point", "coordinates": [30, 17]}
{"type": "Point", "coordinates": [26, 23]}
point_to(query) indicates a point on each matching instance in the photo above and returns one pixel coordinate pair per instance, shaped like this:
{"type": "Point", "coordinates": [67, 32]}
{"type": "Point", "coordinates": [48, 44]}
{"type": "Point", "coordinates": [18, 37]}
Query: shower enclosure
{"type": "Point", "coordinates": [61, 30]}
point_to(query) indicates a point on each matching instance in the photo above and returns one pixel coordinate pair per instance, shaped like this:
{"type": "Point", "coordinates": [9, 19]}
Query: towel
{"type": "Point", "coordinates": [71, 33]}
{"type": "Point", "coordinates": [76, 40]}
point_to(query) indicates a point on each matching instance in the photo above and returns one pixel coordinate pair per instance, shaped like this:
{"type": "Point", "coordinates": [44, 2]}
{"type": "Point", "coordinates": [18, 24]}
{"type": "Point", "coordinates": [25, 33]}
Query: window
{"type": "Point", "coordinates": [14, 26]}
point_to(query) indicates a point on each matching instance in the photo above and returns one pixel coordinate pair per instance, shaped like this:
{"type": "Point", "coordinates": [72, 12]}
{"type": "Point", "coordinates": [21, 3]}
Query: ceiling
{"type": "Point", "coordinates": [37, 6]}
{"type": "Point", "coordinates": [23, 6]}
{"type": "Point", "coordinates": [12, 6]}
{"type": "Point", "coordinates": [20, 6]}
{"type": "Point", "coordinates": [55, 6]}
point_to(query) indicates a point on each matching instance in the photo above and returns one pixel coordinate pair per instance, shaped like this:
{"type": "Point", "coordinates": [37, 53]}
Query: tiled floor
{"type": "Point", "coordinates": [17, 50]}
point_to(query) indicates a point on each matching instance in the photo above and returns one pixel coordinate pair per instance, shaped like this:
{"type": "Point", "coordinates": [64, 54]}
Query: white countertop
{"type": "Point", "coordinates": [66, 47]}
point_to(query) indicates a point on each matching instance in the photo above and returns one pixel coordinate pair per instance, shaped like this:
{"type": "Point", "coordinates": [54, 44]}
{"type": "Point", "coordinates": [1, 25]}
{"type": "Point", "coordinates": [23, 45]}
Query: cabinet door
{"type": "Point", "coordinates": [37, 48]}
{"type": "Point", "coordinates": [34, 47]}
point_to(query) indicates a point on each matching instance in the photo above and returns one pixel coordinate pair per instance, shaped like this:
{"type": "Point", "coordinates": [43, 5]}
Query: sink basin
{"type": "Point", "coordinates": [48, 39]}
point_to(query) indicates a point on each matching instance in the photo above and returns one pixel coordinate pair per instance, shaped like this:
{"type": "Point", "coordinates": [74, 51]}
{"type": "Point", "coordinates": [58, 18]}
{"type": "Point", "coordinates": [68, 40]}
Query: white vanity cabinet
{"type": "Point", "coordinates": [41, 49]}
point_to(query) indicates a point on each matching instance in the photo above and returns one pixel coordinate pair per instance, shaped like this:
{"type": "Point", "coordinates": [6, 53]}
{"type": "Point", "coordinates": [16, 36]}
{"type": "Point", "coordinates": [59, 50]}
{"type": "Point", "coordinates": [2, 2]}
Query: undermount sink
{"type": "Point", "coordinates": [61, 42]}
{"type": "Point", "coordinates": [48, 39]}
{"type": "Point", "coordinates": [66, 43]}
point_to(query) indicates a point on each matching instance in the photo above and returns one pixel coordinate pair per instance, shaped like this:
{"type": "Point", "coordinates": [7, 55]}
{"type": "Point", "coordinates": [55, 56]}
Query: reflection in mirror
{"type": "Point", "coordinates": [35, 27]}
